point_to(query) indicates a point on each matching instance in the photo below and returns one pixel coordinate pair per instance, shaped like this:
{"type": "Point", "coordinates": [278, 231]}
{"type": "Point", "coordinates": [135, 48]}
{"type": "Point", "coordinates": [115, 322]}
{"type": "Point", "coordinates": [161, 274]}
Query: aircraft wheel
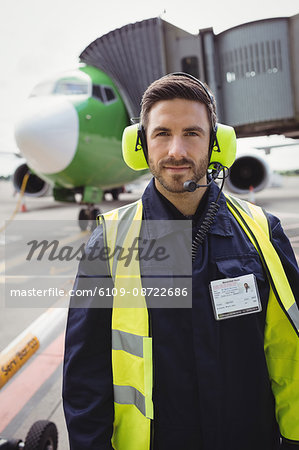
{"type": "Point", "coordinates": [115, 193]}
{"type": "Point", "coordinates": [93, 214]}
{"type": "Point", "coordinates": [83, 219]}
{"type": "Point", "coordinates": [42, 435]}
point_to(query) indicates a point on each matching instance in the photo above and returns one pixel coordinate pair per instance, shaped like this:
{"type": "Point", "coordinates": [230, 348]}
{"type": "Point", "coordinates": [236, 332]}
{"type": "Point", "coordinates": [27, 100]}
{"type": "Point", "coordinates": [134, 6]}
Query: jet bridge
{"type": "Point", "coordinates": [137, 54]}
{"type": "Point", "coordinates": [252, 69]}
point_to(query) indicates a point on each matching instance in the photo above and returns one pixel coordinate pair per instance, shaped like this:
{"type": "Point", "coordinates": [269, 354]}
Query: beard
{"type": "Point", "coordinates": [175, 183]}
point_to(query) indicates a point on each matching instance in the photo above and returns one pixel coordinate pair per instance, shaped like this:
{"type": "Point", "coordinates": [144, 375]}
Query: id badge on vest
{"type": "Point", "coordinates": [235, 297]}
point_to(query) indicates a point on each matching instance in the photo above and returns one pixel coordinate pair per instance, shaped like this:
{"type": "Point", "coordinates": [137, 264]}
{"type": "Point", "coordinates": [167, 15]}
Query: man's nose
{"type": "Point", "coordinates": [177, 148]}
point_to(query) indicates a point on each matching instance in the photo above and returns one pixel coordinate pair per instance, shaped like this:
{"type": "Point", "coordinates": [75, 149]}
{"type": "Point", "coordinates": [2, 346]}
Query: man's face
{"type": "Point", "coordinates": [178, 135]}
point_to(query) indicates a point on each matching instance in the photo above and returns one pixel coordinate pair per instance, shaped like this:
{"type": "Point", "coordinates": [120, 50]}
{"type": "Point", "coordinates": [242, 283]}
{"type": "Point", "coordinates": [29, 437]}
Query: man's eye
{"type": "Point", "coordinates": [163, 133]}
{"type": "Point", "coordinates": [191, 133]}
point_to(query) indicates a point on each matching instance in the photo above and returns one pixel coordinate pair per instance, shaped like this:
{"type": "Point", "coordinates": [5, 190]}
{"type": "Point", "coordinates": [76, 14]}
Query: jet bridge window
{"type": "Point", "coordinates": [264, 57]}
{"type": "Point", "coordinates": [190, 65]}
{"type": "Point", "coordinates": [103, 93]}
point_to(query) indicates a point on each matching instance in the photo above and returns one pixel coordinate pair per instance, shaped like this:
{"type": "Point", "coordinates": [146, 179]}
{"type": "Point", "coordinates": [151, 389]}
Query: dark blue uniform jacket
{"type": "Point", "coordinates": [211, 384]}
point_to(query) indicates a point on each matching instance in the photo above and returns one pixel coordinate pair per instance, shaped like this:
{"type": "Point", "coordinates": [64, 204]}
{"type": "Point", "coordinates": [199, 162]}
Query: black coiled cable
{"type": "Point", "coordinates": [210, 215]}
{"type": "Point", "coordinates": [204, 228]}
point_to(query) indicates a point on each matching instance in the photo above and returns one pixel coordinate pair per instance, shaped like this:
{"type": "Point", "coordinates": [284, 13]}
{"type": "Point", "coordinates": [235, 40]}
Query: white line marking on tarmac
{"type": "Point", "coordinates": [20, 259]}
{"type": "Point", "coordinates": [291, 226]}
{"type": "Point", "coordinates": [284, 214]}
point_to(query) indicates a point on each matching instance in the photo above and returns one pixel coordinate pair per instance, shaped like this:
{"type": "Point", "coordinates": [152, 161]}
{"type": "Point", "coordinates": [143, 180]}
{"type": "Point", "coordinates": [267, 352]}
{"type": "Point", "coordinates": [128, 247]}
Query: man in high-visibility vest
{"type": "Point", "coordinates": [220, 373]}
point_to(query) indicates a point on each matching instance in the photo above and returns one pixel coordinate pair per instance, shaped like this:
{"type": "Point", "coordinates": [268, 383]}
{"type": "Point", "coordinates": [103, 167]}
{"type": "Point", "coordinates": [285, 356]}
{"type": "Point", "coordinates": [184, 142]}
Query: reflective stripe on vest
{"type": "Point", "coordinates": [255, 226]}
{"type": "Point", "coordinates": [128, 342]}
{"type": "Point", "coordinates": [132, 365]}
{"type": "Point", "coordinates": [281, 344]}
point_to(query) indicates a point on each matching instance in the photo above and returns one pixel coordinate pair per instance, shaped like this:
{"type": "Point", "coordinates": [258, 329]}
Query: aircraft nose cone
{"type": "Point", "coordinates": [47, 133]}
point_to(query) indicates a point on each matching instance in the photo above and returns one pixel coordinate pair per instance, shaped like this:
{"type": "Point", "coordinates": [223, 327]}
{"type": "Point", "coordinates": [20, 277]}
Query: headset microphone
{"type": "Point", "coordinates": [191, 186]}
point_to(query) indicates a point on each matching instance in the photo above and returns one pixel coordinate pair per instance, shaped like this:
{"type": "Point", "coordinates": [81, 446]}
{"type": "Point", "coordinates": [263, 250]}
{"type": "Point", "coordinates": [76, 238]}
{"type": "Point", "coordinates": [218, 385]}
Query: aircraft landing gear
{"type": "Point", "coordinates": [115, 192]}
{"type": "Point", "coordinates": [87, 218]}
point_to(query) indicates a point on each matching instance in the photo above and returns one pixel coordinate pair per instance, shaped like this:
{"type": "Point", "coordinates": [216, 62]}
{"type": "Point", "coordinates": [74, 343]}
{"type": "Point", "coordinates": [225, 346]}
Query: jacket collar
{"type": "Point", "coordinates": [156, 207]}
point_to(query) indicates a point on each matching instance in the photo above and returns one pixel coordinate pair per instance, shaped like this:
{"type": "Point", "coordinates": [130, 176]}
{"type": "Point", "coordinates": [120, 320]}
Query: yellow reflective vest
{"type": "Point", "coordinates": [132, 362]}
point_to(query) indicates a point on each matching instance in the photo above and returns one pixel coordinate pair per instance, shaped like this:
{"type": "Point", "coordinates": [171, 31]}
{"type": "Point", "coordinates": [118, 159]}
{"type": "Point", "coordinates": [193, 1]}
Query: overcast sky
{"type": "Point", "coordinates": [39, 38]}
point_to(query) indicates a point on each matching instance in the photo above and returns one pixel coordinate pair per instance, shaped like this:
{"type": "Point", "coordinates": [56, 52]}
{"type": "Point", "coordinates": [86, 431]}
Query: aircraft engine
{"type": "Point", "coordinates": [249, 169]}
{"type": "Point", "coordinates": [35, 187]}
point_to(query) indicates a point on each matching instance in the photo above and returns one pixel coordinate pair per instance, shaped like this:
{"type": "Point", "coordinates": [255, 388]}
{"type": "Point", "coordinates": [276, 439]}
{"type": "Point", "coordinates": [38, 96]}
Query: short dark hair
{"type": "Point", "coordinates": [174, 86]}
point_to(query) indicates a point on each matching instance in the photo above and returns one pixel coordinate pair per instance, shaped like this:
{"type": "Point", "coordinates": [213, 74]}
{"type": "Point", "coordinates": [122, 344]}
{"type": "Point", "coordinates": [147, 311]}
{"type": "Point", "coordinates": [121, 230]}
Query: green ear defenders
{"type": "Point", "coordinates": [134, 147]}
{"type": "Point", "coordinates": [222, 141]}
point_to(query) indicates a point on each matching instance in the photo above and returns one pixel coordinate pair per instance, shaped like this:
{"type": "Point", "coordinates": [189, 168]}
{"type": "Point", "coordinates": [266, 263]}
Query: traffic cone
{"type": "Point", "coordinates": [23, 207]}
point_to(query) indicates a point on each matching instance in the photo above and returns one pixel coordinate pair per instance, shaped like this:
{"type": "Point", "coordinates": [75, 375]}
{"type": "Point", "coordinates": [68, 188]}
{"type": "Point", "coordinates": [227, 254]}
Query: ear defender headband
{"type": "Point", "coordinates": [222, 147]}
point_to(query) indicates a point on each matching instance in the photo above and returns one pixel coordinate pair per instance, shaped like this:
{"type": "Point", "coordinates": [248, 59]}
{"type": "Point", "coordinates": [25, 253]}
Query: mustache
{"type": "Point", "coordinates": [176, 162]}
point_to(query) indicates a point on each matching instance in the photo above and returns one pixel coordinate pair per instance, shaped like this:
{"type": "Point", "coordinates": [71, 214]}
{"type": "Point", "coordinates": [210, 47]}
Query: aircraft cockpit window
{"type": "Point", "coordinates": [103, 93]}
{"type": "Point", "coordinates": [110, 95]}
{"type": "Point", "coordinates": [44, 88]}
{"type": "Point", "coordinates": [71, 87]}
{"type": "Point", "coordinates": [72, 83]}
{"type": "Point", "coordinates": [97, 92]}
